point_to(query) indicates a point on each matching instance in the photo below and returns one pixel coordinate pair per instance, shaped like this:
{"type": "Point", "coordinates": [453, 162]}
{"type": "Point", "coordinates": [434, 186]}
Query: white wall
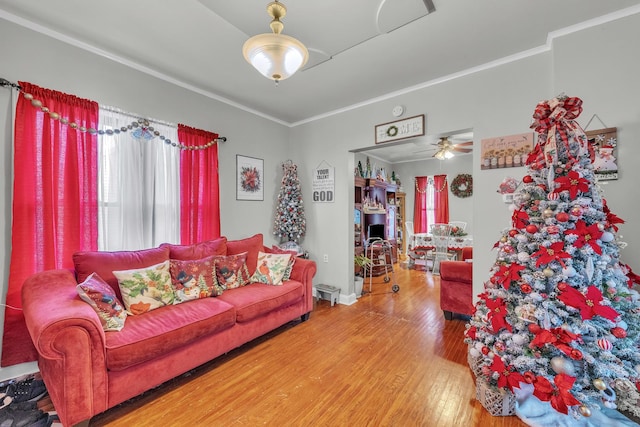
{"type": "Point", "coordinates": [32, 57]}
{"type": "Point", "coordinates": [600, 65]}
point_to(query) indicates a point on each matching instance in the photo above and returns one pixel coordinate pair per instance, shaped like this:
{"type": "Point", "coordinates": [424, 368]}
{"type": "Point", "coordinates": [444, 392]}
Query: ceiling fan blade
{"type": "Point", "coordinates": [462, 150]}
{"type": "Point", "coordinates": [465, 143]}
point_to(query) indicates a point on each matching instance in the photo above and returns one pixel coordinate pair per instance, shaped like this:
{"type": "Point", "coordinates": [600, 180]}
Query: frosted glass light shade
{"type": "Point", "coordinates": [275, 56]}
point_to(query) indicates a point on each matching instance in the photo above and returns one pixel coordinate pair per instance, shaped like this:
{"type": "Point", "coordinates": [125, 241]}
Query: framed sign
{"type": "Point", "coordinates": [603, 145]}
{"type": "Point", "coordinates": [505, 151]}
{"type": "Point", "coordinates": [250, 178]}
{"type": "Point", "coordinates": [400, 129]}
{"type": "Point", "coordinates": [324, 183]}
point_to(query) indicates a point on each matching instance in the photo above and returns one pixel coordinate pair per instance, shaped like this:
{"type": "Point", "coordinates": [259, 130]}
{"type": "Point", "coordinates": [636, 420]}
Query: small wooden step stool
{"type": "Point", "coordinates": [327, 290]}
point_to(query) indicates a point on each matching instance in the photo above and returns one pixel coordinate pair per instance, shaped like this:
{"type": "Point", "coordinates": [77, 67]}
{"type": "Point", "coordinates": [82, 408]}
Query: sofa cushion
{"type": "Point", "coordinates": [271, 268]}
{"type": "Point", "coordinates": [193, 279]}
{"type": "Point", "coordinates": [198, 250]}
{"type": "Point", "coordinates": [102, 298]}
{"type": "Point", "coordinates": [104, 263]}
{"type": "Point", "coordinates": [165, 329]}
{"type": "Point", "coordinates": [294, 256]}
{"type": "Point", "coordinates": [258, 299]}
{"type": "Point", "coordinates": [252, 245]}
{"type": "Point", "coordinates": [231, 271]}
{"type": "Point", "coordinates": [145, 289]}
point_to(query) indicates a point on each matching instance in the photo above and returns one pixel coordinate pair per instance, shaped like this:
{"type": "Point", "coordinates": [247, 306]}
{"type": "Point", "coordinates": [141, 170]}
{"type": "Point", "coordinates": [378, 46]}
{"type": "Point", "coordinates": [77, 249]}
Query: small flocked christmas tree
{"type": "Point", "coordinates": [290, 224]}
{"type": "Point", "coordinates": [559, 312]}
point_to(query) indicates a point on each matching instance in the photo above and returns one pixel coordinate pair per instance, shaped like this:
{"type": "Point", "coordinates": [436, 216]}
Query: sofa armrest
{"type": "Point", "coordinates": [303, 271]}
{"type": "Point", "coordinates": [459, 271]}
{"type": "Point", "coordinates": [70, 342]}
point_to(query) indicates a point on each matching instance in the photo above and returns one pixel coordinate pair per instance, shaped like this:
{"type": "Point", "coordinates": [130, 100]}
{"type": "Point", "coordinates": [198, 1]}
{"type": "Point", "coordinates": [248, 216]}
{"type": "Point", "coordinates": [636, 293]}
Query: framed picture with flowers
{"type": "Point", "coordinates": [250, 178]}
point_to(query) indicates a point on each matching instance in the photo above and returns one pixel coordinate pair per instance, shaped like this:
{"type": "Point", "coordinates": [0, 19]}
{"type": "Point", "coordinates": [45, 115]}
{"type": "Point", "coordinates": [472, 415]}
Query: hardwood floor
{"type": "Point", "coordinates": [389, 360]}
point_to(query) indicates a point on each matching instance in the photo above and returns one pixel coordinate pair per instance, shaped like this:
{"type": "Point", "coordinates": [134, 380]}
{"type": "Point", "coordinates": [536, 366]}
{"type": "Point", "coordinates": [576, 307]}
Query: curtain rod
{"type": "Point", "coordinates": [6, 83]}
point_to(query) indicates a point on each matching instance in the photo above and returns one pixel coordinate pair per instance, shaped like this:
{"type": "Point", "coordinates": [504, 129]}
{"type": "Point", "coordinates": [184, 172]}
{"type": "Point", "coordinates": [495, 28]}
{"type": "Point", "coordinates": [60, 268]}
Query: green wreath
{"type": "Point", "coordinates": [392, 131]}
{"type": "Point", "coordinates": [462, 185]}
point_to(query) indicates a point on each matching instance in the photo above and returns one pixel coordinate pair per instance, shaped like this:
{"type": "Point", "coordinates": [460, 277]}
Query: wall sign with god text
{"type": "Point", "coordinates": [400, 129]}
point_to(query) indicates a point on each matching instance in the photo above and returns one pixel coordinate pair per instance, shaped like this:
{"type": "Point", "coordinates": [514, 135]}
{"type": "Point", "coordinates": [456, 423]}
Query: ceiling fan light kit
{"type": "Point", "coordinates": [275, 55]}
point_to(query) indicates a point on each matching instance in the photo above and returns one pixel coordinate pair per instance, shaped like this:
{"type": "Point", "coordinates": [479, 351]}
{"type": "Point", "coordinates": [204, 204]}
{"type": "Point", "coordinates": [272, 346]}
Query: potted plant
{"type": "Point", "coordinates": [361, 262]}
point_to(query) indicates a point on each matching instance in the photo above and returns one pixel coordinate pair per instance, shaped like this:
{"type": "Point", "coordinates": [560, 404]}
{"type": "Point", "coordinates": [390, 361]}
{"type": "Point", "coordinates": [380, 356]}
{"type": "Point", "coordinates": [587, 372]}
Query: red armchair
{"type": "Point", "coordinates": [456, 285]}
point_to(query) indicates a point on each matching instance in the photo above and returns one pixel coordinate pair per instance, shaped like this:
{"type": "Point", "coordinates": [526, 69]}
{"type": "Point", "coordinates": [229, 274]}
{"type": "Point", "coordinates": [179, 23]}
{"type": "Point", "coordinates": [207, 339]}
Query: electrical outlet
{"type": "Point", "coordinates": [325, 258]}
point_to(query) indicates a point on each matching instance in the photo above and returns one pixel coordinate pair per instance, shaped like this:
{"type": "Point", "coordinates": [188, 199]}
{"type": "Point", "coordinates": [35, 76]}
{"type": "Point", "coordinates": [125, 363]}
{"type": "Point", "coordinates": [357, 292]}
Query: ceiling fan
{"type": "Point", "coordinates": [445, 148]}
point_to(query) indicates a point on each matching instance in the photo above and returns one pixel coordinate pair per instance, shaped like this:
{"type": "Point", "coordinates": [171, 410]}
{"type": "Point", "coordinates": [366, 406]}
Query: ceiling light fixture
{"type": "Point", "coordinates": [443, 154]}
{"type": "Point", "coordinates": [275, 55]}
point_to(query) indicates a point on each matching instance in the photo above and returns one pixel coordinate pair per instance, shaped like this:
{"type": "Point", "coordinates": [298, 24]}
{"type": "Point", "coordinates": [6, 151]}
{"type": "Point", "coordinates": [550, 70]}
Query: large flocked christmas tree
{"type": "Point", "coordinates": [559, 312]}
{"type": "Point", "coordinates": [290, 224]}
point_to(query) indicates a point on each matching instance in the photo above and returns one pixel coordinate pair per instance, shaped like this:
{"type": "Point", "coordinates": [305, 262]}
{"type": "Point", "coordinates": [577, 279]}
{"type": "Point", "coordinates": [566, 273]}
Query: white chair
{"type": "Point", "coordinates": [460, 224]}
{"type": "Point", "coordinates": [408, 225]}
{"type": "Point", "coordinates": [441, 233]}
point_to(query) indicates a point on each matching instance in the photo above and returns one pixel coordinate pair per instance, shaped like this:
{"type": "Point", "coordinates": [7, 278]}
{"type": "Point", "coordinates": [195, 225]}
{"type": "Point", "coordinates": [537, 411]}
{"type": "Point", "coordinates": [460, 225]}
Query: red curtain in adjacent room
{"type": "Point", "coordinates": [441, 199]}
{"type": "Point", "coordinates": [54, 199]}
{"type": "Point", "coordinates": [420, 205]}
{"type": "Point", "coordinates": [199, 187]}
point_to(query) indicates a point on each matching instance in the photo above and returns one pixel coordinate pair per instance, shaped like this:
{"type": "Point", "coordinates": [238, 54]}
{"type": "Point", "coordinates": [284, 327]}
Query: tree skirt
{"type": "Point", "coordinates": [537, 413]}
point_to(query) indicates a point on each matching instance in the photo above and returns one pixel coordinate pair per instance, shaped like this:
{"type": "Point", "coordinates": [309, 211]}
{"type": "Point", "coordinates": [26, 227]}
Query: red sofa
{"type": "Point", "coordinates": [456, 285]}
{"type": "Point", "coordinates": [87, 370]}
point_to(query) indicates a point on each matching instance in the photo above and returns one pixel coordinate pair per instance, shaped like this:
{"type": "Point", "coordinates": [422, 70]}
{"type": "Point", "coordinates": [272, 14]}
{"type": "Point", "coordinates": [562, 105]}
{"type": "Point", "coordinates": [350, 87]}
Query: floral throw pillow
{"type": "Point", "coordinates": [145, 289]}
{"type": "Point", "coordinates": [270, 268]}
{"type": "Point", "coordinates": [231, 271]}
{"type": "Point", "coordinates": [294, 255]}
{"type": "Point", "coordinates": [102, 298]}
{"type": "Point", "coordinates": [193, 279]}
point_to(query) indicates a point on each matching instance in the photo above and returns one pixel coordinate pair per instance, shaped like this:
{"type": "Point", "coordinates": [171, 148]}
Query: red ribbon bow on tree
{"type": "Point", "coordinates": [559, 396]}
{"type": "Point", "coordinates": [612, 219]}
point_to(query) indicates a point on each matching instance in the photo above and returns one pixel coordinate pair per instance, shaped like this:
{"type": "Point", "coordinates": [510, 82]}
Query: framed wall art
{"type": "Point", "coordinates": [604, 143]}
{"type": "Point", "coordinates": [505, 151]}
{"type": "Point", "coordinates": [250, 178]}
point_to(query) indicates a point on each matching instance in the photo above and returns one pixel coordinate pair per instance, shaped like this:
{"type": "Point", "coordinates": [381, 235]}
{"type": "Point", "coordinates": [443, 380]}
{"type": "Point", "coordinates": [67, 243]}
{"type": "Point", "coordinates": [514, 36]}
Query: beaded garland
{"type": "Point", "coordinates": [462, 180]}
{"type": "Point", "coordinates": [142, 123]}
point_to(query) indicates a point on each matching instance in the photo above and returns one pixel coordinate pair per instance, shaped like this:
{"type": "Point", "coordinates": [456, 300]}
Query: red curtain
{"type": "Point", "coordinates": [55, 210]}
{"type": "Point", "coordinates": [441, 199]}
{"type": "Point", "coordinates": [199, 187]}
{"type": "Point", "coordinates": [420, 205]}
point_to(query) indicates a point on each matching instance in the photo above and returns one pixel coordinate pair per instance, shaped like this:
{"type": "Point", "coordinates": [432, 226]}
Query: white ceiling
{"type": "Point", "coordinates": [361, 50]}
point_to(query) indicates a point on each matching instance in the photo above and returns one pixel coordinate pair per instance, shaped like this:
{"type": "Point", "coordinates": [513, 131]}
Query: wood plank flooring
{"type": "Point", "coordinates": [389, 360]}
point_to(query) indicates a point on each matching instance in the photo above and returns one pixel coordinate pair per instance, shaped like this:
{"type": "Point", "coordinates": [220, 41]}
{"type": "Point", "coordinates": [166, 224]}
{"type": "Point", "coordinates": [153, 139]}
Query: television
{"type": "Point", "coordinates": [375, 232]}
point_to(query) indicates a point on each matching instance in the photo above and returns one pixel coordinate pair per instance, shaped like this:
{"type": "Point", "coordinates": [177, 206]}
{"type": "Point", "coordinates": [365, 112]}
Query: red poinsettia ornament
{"type": "Point", "coordinates": [508, 376]}
{"type": "Point", "coordinates": [572, 182]}
{"type": "Point", "coordinates": [557, 337]}
{"type": "Point", "coordinates": [507, 274]}
{"type": "Point", "coordinates": [555, 252]}
{"type": "Point", "coordinates": [587, 235]}
{"type": "Point", "coordinates": [589, 304]}
{"type": "Point", "coordinates": [497, 314]}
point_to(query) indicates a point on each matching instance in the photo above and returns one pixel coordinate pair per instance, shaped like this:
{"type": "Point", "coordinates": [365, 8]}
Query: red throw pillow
{"type": "Point", "coordinates": [104, 263]}
{"type": "Point", "coordinates": [193, 279]}
{"type": "Point", "coordinates": [251, 245]}
{"type": "Point", "coordinates": [198, 250]}
{"type": "Point", "coordinates": [231, 271]}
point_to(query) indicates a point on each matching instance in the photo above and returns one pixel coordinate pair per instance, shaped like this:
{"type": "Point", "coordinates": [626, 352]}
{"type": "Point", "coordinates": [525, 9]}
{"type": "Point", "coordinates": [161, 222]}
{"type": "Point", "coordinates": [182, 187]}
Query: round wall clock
{"type": "Point", "coordinates": [397, 110]}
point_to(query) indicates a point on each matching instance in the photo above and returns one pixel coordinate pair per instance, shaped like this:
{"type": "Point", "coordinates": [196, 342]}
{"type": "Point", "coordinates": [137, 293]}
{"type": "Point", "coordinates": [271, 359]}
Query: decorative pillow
{"type": "Point", "coordinates": [294, 256]}
{"type": "Point", "coordinates": [193, 279]}
{"type": "Point", "coordinates": [104, 263]}
{"type": "Point", "coordinates": [198, 250]}
{"type": "Point", "coordinates": [102, 298]}
{"type": "Point", "coordinates": [145, 289]}
{"type": "Point", "coordinates": [231, 271]}
{"type": "Point", "coordinates": [271, 268]}
{"type": "Point", "coordinates": [252, 245]}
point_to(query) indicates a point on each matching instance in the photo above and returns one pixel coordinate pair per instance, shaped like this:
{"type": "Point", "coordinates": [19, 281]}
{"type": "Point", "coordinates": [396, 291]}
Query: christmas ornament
{"type": "Point", "coordinates": [584, 411]}
{"type": "Point", "coordinates": [604, 344]}
{"type": "Point", "coordinates": [552, 196]}
{"type": "Point", "coordinates": [548, 272]}
{"type": "Point", "coordinates": [531, 228]}
{"type": "Point", "coordinates": [599, 384]}
{"type": "Point", "coordinates": [618, 332]}
{"type": "Point", "coordinates": [562, 365]}
{"type": "Point", "coordinates": [547, 213]}
{"type": "Point", "coordinates": [562, 216]}
{"type": "Point", "coordinates": [607, 237]}
{"type": "Point", "coordinates": [523, 257]}
{"type": "Point", "coordinates": [527, 179]}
